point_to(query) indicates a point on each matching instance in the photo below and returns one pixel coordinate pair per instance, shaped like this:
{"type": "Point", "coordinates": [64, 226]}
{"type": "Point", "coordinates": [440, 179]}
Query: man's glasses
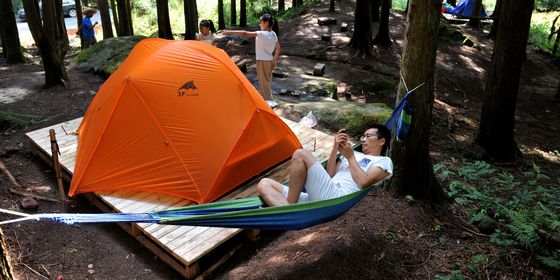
{"type": "Point", "coordinates": [368, 135]}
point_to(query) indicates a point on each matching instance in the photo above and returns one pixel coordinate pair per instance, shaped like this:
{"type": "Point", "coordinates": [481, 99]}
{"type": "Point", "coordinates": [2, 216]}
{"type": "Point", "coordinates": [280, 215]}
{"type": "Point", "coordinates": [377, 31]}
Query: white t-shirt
{"type": "Point", "coordinates": [208, 39]}
{"type": "Point", "coordinates": [343, 177]}
{"type": "Point", "coordinates": [265, 44]}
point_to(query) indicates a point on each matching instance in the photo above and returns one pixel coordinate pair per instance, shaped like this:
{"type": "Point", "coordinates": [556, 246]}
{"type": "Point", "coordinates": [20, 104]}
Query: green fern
{"type": "Point", "coordinates": [552, 260]}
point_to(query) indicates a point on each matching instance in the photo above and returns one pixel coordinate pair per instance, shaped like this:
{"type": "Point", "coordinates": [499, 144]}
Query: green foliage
{"type": "Point", "coordinates": [526, 203]}
{"type": "Point", "coordinates": [540, 30]}
{"type": "Point", "coordinates": [454, 275]}
{"type": "Point", "coordinates": [547, 5]}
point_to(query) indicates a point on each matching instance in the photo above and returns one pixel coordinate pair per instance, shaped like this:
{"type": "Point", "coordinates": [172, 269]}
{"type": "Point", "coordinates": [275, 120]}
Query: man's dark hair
{"type": "Point", "coordinates": [385, 133]}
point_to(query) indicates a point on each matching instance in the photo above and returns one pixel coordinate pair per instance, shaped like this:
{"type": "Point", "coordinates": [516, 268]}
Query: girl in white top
{"type": "Point", "coordinates": [207, 31]}
{"type": "Point", "coordinates": [266, 43]}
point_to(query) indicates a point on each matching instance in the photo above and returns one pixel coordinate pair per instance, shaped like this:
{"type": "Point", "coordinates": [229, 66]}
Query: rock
{"type": "Point", "coordinates": [355, 117]}
{"type": "Point", "coordinates": [39, 189]}
{"type": "Point", "coordinates": [344, 27]}
{"type": "Point", "coordinates": [105, 56]}
{"type": "Point", "coordinates": [29, 203]}
{"type": "Point", "coordinates": [319, 69]}
{"type": "Point", "coordinates": [487, 225]}
{"type": "Point", "coordinates": [326, 21]}
{"type": "Point", "coordinates": [325, 37]}
{"type": "Point", "coordinates": [279, 74]}
{"type": "Point", "coordinates": [242, 67]}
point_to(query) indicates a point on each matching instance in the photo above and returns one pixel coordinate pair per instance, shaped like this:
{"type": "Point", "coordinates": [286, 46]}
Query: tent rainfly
{"type": "Point", "coordinates": [177, 117]}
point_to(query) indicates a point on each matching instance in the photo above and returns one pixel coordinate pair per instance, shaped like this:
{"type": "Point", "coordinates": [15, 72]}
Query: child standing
{"type": "Point", "coordinates": [266, 42]}
{"type": "Point", "coordinates": [207, 31]}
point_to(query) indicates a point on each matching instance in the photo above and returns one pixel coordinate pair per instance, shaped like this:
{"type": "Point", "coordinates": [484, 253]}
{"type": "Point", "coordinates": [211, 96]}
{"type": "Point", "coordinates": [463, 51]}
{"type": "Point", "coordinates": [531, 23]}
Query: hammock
{"type": "Point", "coordinates": [249, 213]}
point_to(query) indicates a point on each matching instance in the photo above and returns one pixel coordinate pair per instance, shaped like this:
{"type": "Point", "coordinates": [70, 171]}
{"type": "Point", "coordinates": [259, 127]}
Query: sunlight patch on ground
{"type": "Point", "coordinates": [277, 260]}
{"type": "Point", "coordinates": [472, 64]}
{"type": "Point", "coordinates": [13, 94]}
{"type": "Point", "coordinates": [306, 239]}
{"type": "Point", "coordinates": [548, 155]}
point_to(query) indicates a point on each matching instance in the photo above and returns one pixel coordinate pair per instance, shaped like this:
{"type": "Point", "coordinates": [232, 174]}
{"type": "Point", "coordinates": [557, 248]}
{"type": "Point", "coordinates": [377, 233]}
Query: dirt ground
{"type": "Point", "coordinates": [383, 237]}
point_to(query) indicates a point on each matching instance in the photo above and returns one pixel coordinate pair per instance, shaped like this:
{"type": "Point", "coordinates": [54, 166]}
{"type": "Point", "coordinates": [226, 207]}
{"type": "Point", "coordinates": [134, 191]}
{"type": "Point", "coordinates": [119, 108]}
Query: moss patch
{"type": "Point", "coordinates": [320, 87]}
{"type": "Point", "coordinates": [107, 55]}
{"type": "Point", "coordinates": [380, 85]}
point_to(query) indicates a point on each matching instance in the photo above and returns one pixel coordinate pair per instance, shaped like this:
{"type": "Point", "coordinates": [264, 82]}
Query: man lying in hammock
{"type": "Point", "coordinates": [354, 170]}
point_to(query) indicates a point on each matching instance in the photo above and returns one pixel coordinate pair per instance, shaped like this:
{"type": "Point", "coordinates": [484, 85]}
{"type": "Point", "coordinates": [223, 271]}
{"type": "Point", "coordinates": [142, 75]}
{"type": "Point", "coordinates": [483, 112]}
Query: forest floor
{"type": "Point", "coordinates": [383, 237]}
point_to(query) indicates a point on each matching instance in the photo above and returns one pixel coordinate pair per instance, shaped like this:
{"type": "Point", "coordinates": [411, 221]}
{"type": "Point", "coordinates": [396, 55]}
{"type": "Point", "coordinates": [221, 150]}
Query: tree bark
{"type": "Point", "coordinates": [383, 37]}
{"type": "Point", "coordinates": [495, 16]}
{"type": "Point", "coordinates": [6, 271]}
{"type": "Point", "coordinates": [11, 45]}
{"type": "Point", "coordinates": [331, 6]}
{"type": "Point", "coordinates": [497, 119]}
{"type": "Point", "coordinates": [413, 172]}
{"type": "Point", "coordinates": [474, 21]}
{"type": "Point", "coordinates": [103, 7]}
{"type": "Point", "coordinates": [79, 18]}
{"type": "Point", "coordinates": [115, 16]}
{"type": "Point", "coordinates": [242, 13]}
{"type": "Point", "coordinates": [125, 18]}
{"type": "Point", "coordinates": [191, 19]}
{"type": "Point", "coordinates": [233, 10]}
{"type": "Point", "coordinates": [375, 11]}
{"type": "Point", "coordinates": [281, 6]}
{"type": "Point", "coordinates": [164, 25]}
{"type": "Point", "coordinates": [50, 37]}
{"type": "Point", "coordinates": [362, 40]}
{"type": "Point", "coordinates": [221, 20]}
{"type": "Point", "coordinates": [557, 96]}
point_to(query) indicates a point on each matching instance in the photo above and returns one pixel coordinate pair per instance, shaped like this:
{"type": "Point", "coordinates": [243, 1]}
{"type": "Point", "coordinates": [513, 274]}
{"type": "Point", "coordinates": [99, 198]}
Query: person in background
{"type": "Point", "coordinates": [353, 172]}
{"type": "Point", "coordinates": [266, 43]}
{"type": "Point", "coordinates": [88, 29]}
{"type": "Point", "coordinates": [207, 31]}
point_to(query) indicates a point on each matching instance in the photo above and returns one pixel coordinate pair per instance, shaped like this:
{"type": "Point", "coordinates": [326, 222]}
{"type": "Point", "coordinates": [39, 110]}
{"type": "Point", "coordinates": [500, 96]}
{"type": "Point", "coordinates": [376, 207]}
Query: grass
{"type": "Point", "coordinates": [540, 29]}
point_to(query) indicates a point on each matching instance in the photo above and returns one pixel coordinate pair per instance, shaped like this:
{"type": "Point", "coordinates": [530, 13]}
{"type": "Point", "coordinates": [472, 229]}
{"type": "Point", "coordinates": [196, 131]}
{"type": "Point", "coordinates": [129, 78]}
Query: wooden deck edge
{"type": "Point", "coordinates": [200, 267]}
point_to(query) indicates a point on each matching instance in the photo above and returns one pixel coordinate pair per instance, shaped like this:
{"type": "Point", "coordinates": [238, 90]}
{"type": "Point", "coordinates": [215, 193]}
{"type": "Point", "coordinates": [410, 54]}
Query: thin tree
{"type": "Point", "coordinates": [233, 10]}
{"type": "Point", "coordinates": [362, 40]}
{"type": "Point", "coordinates": [221, 19]}
{"type": "Point", "coordinates": [114, 9]}
{"type": "Point", "coordinates": [331, 6]}
{"type": "Point", "coordinates": [281, 6]}
{"type": "Point", "coordinates": [242, 13]}
{"type": "Point", "coordinates": [164, 25]}
{"type": "Point", "coordinates": [383, 38]}
{"type": "Point", "coordinates": [103, 7]}
{"type": "Point", "coordinates": [79, 18]}
{"type": "Point", "coordinates": [497, 118]}
{"type": "Point", "coordinates": [191, 19]}
{"type": "Point", "coordinates": [554, 31]}
{"type": "Point", "coordinates": [475, 17]}
{"type": "Point", "coordinates": [9, 35]}
{"type": "Point", "coordinates": [50, 37]}
{"type": "Point", "coordinates": [413, 173]}
{"type": "Point", "coordinates": [125, 18]}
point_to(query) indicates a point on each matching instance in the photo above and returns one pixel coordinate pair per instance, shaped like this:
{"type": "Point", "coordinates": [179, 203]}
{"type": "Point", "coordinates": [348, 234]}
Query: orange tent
{"type": "Point", "coordinates": [177, 117]}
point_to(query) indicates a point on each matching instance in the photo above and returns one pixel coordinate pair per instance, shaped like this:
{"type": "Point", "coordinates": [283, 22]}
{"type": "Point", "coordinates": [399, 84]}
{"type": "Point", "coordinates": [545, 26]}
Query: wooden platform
{"type": "Point", "coordinates": [453, 19]}
{"type": "Point", "coordinates": [189, 250]}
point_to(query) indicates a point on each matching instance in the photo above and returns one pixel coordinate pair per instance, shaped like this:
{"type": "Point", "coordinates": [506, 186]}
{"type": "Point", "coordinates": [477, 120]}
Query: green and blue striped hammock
{"type": "Point", "coordinates": [249, 213]}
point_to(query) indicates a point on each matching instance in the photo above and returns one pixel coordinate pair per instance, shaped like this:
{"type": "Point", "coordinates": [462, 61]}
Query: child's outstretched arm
{"type": "Point", "coordinates": [240, 33]}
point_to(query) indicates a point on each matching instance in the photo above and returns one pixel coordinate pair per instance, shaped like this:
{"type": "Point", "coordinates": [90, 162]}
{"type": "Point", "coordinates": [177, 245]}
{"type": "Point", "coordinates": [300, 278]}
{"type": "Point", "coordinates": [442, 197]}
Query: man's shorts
{"type": "Point", "coordinates": [318, 185]}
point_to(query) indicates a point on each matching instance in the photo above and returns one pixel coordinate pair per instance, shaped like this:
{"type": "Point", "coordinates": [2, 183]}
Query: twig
{"type": "Point", "coordinates": [473, 232]}
{"type": "Point", "coordinates": [34, 196]}
{"type": "Point", "coordinates": [299, 254]}
{"type": "Point", "coordinates": [45, 269]}
{"type": "Point", "coordinates": [10, 176]}
{"type": "Point", "coordinates": [34, 271]}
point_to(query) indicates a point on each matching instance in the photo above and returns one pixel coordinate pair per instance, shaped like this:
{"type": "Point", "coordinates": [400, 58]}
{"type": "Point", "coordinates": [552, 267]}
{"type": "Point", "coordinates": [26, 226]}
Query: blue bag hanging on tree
{"type": "Point", "coordinates": [404, 122]}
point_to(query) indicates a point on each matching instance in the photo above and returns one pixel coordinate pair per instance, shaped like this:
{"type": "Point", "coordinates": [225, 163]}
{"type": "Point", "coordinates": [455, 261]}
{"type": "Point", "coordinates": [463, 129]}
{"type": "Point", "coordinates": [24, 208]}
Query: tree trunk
{"type": "Point", "coordinates": [6, 271]}
{"type": "Point", "coordinates": [103, 7]}
{"type": "Point", "coordinates": [11, 45]}
{"type": "Point", "coordinates": [281, 6]}
{"type": "Point", "coordinates": [233, 12]}
{"type": "Point", "coordinates": [375, 11]}
{"type": "Point", "coordinates": [115, 16]}
{"type": "Point", "coordinates": [452, 2]}
{"type": "Point", "coordinates": [475, 17]}
{"type": "Point", "coordinates": [557, 96]}
{"type": "Point", "coordinates": [221, 20]}
{"type": "Point", "coordinates": [242, 13]}
{"type": "Point", "coordinates": [496, 17]}
{"type": "Point", "coordinates": [331, 6]}
{"type": "Point", "coordinates": [382, 38]}
{"type": "Point", "coordinates": [191, 19]}
{"type": "Point", "coordinates": [125, 18]}
{"type": "Point", "coordinates": [413, 172]}
{"type": "Point", "coordinates": [362, 38]}
{"type": "Point", "coordinates": [79, 18]}
{"type": "Point", "coordinates": [50, 37]}
{"type": "Point", "coordinates": [164, 25]}
{"type": "Point", "coordinates": [497, 119]}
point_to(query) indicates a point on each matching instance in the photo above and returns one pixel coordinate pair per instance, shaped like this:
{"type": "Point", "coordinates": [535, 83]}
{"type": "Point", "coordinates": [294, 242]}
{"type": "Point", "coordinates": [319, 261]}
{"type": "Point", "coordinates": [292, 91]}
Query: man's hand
{"type": "Point", "coordinates": [345, 149]}
{"type": "Point", "coordinates": [340, 137]}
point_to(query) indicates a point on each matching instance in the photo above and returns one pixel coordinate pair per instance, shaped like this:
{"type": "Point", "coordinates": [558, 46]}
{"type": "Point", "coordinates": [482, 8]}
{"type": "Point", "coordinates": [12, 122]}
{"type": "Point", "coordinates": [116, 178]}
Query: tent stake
{"type": "Point", "coordinates": [56, 165]}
